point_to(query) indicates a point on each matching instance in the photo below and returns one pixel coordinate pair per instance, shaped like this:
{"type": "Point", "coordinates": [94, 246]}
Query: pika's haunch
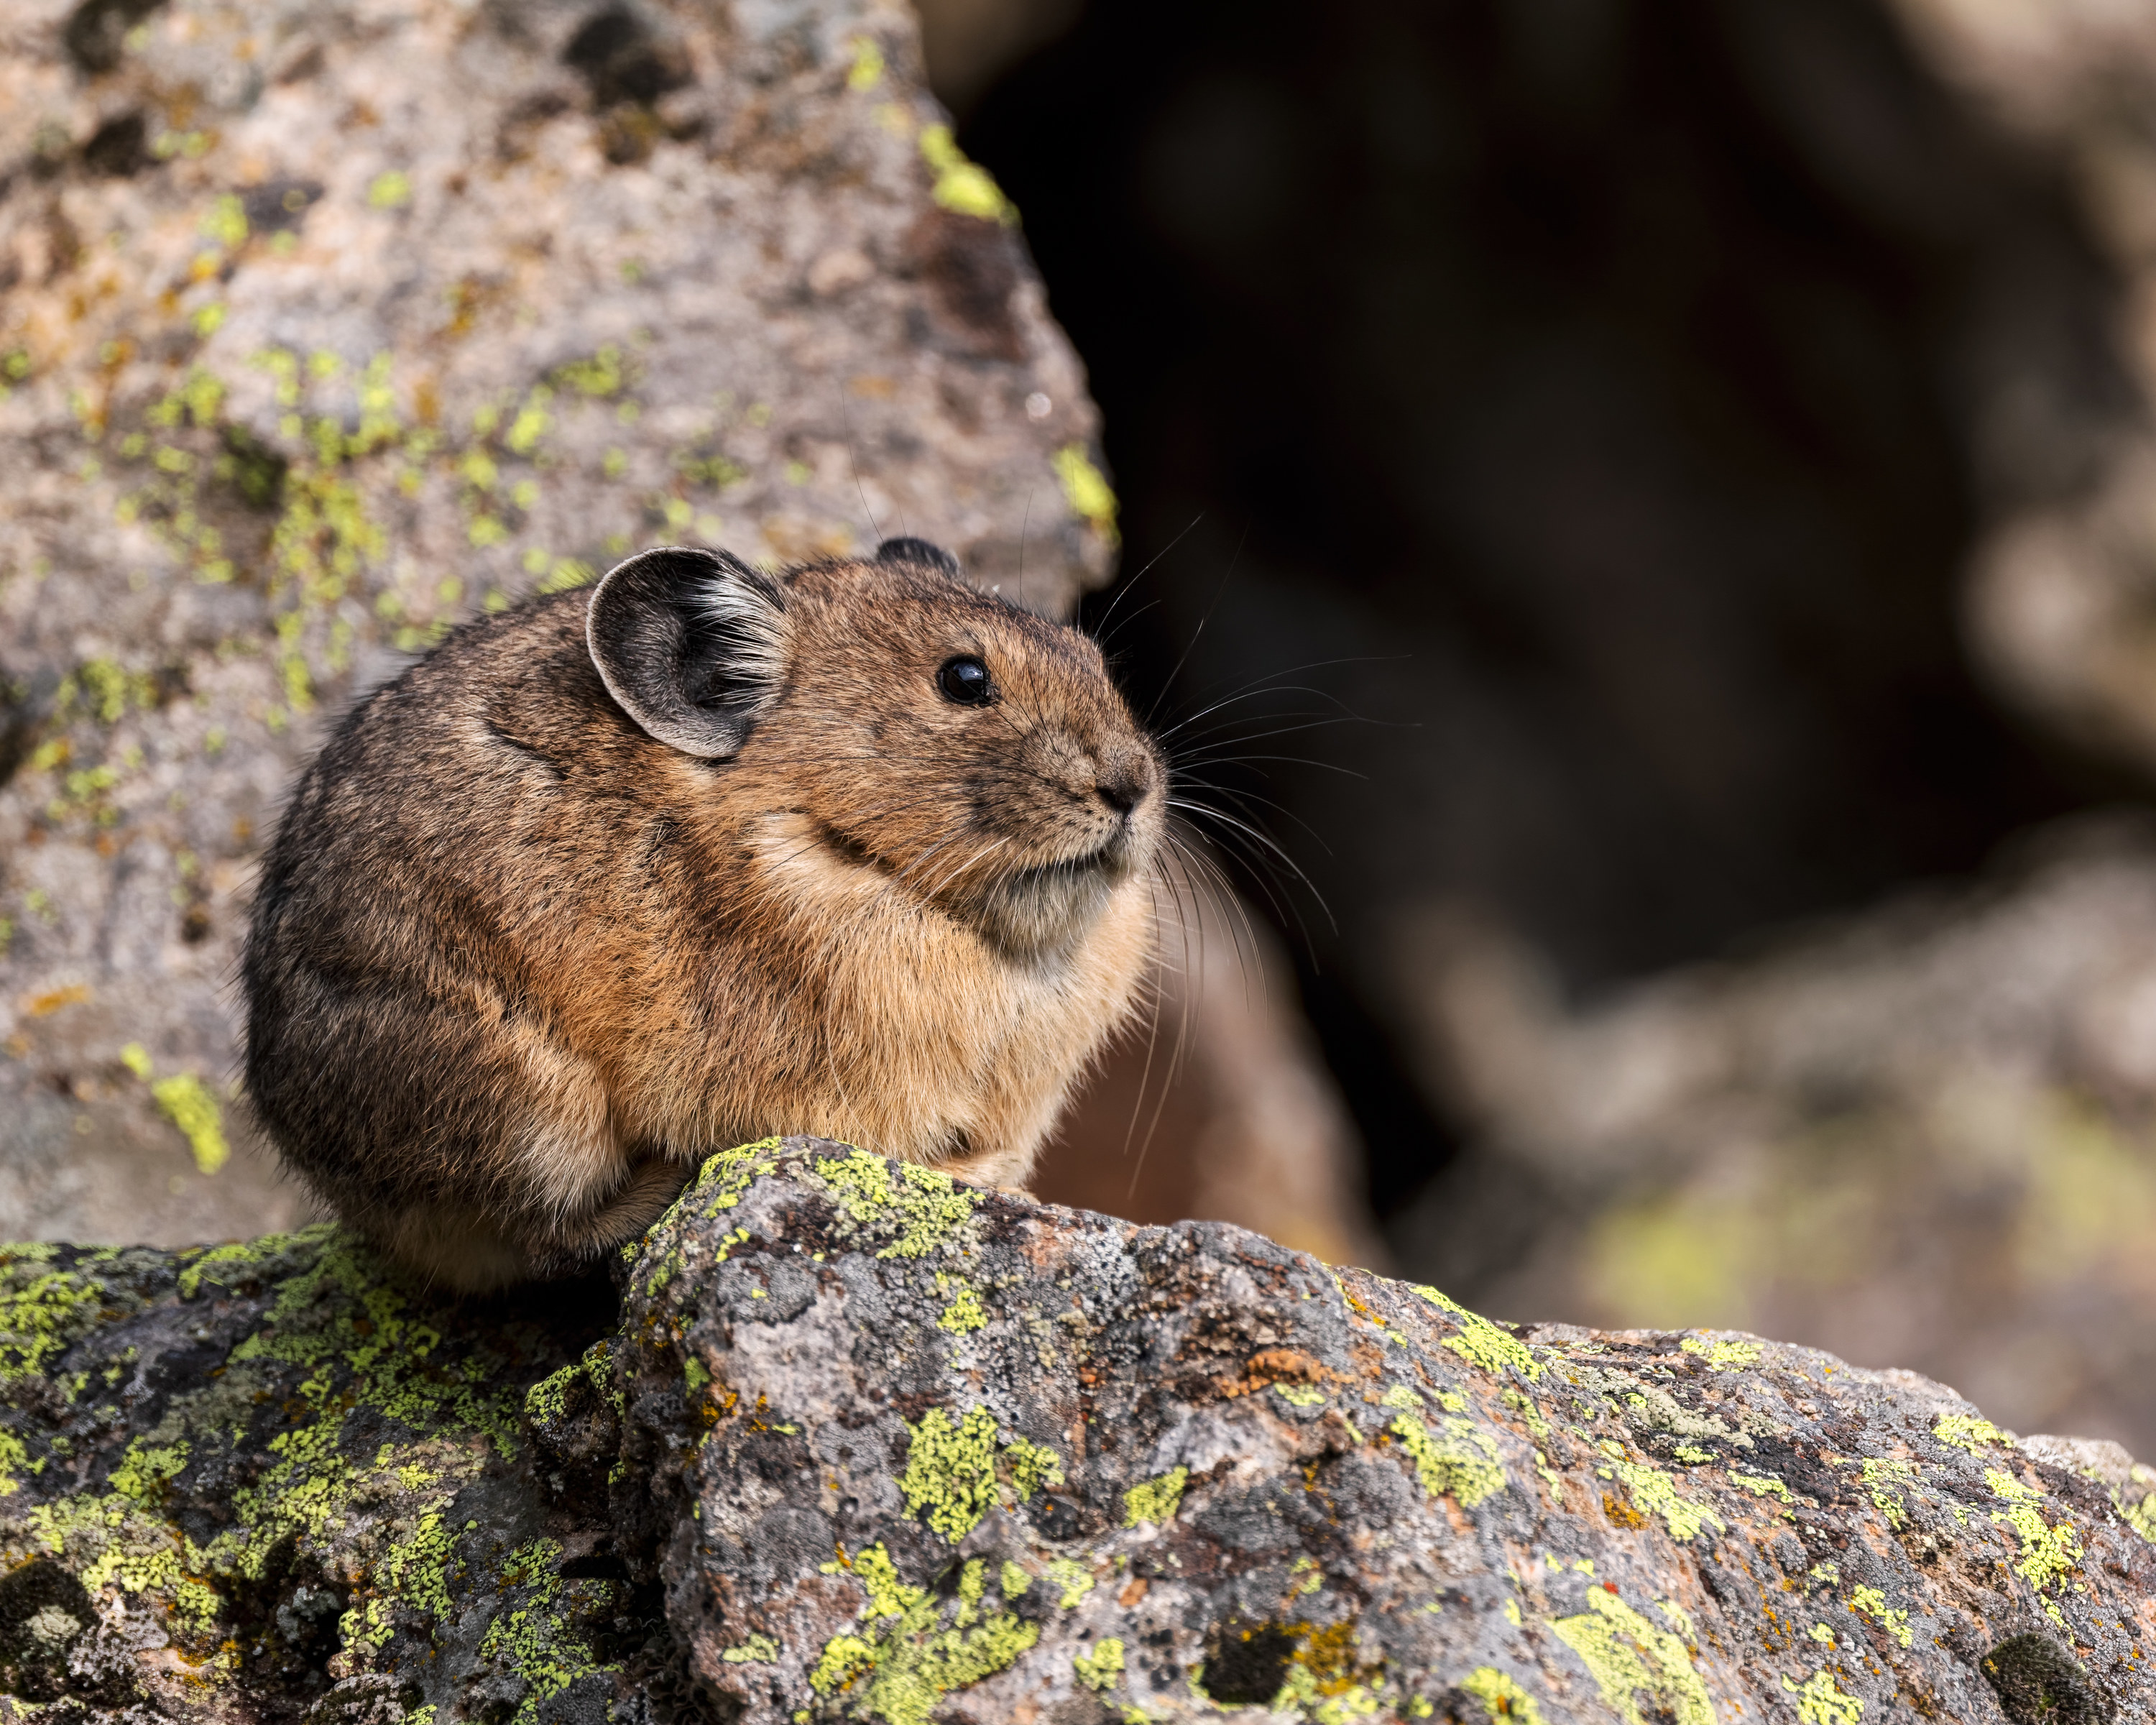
{"type": "Point", "coordinates": [628, 875]}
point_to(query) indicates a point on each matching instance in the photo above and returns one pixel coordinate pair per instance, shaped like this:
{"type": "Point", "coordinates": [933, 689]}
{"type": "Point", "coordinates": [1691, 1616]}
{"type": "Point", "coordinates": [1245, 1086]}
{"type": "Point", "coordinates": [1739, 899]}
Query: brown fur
{"type": "Point", "coordinates": [517, 965]}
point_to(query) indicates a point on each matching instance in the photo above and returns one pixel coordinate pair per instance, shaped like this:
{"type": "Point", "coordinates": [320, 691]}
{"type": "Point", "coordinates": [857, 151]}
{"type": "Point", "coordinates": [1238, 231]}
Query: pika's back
{"type": "Point", "coordinates": [611, 880]}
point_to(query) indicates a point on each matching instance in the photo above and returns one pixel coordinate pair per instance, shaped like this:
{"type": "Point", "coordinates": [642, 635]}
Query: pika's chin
{"type": "Point", "coordinates": [1042, 911]}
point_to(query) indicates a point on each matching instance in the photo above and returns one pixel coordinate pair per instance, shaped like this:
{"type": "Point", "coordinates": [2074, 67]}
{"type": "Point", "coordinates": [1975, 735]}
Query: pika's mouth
{"type": "Point", "coordinates": [1111, 856]}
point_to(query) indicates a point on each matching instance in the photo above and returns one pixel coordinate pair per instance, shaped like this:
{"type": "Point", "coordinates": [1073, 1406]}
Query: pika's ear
{"type": "Point", "coordinates": [919, 552]}
{"type": "Point", "coordinates": [692, 643]}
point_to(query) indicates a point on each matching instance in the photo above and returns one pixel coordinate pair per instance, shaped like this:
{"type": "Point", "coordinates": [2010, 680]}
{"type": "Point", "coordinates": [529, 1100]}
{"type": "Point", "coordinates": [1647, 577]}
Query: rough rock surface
{"type": "Point", "coordinates": [324, 326]}
{"type": "Point", "coordinates": [869, 1445]}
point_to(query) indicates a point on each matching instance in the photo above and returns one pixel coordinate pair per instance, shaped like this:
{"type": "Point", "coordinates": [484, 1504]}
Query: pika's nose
{"type": "Point", "coordinates": [1122, 784]}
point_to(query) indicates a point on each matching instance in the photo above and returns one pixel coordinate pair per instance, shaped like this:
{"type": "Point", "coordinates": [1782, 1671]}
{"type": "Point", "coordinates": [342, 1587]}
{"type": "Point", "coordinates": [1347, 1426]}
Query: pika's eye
{"type": "Point", "coordinates": [966, 680]}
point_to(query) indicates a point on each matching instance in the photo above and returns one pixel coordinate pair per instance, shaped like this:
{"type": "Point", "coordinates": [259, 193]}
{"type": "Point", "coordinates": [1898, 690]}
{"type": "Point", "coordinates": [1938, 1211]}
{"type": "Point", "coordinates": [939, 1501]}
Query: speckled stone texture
{"type": "Point", "coordinates": [868, 1445]}
{"type": "Point", "coordinates": [325, 324]}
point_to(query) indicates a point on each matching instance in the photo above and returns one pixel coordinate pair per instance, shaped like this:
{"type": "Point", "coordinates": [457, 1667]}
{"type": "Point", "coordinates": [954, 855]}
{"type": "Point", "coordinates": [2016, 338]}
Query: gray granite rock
{"type": "Point", "coordinates": [868, 1445]}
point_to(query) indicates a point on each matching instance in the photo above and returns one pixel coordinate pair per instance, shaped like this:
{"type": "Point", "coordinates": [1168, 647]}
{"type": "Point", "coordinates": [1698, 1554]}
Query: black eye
{"type": "Point", "coordinates": [966, 680]}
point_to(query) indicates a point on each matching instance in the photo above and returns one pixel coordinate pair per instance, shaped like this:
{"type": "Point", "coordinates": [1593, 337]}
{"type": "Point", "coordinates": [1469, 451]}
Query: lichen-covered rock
{"type": "Point", "coordinates": [869, 1445]}
{"type": "Point", "coordinates": [246, 1481]}
{"type": "Point", "coordinates": [324, 326]}
{"type": "Point", "coordinates": [925, 1452]}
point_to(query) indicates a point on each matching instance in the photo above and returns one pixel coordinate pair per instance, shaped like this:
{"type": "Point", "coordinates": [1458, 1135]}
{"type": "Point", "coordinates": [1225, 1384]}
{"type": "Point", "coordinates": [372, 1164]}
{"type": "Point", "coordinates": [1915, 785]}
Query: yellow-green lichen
{"type": "Point", "coordinates": [720, 1183]}
{"type": "Point", "coordinates": [1462, 1464]}
{"type": "Point", "coordinates": [1502, 1697]}
{"type": "Point", "coordinates": [2139, 1508]}
{"type": "Point", "coordinates": [108, 1541]}
{"type": "Point", "coordinates": [964, 1313]}
{"type": "Point", "coordinates": [143, 1469]}
{"type": "Point", "coordinates": [1628, 1657]}
{"type": "Point", "coordinates": [1033, 1466]}
{"type": "Point", "coordinates": [963, 185]}
{"type": "Point", "coordinates": [756, 1650]}
{"type": "Point", "coordinates": [1884, 1476]}
{"type": "Point", "coordinates": [1654, 1493]}
{"type": "Point", "coordinates": [1819, 1702]}
{"type": "Point", "coordinates": [1762, 1485]}
{"type": "Point", "coordinates": [226, 222]}
{"type": "Point", "coordinates": [2048, 1554]}
{"type": "Point", "coordinates": [251, 1262]}
{"type": "Point", "coordinates": [356, 1351]}
{"type": "Point", "coordinates": [1156, 1500]}
{"type": "Point", "coordinates": [1974, 1435]}
{"type": "Point", "coordinates": [548, 1399]}
{"type": "Point", "coordinates": [1075, 1579]}
{"type": "Point", "coordinates": [1518, 1400]}
{"type": "Point", "coordinates": [866, 71]}
{"type": "Point", "coordinates": [926, 1205]}
{"type": "Point", "coordinates": [1101, 1670]}
{"type": "Point", "coordinates": [42, 1312]}
{"type": "Point", "coordinates": [417, 1574]}
{"type": "Point", "coordinates": [1496, 1350]}
{"type": "Point", "coordinates": [1723, 1356]}
{"type": "Point", "coordinates": [908, 1659]}
{"type": "Point", "coordinates": [1871, 1602]}
{"type": "Point", "coordinates": [189, 1106]}
{"type": "Point", "coordinates": [1087, 491]}
{"type": "Point", "coordinates": [534, 1642]}
{"type": "Point", "coordinates": [951, 1469]}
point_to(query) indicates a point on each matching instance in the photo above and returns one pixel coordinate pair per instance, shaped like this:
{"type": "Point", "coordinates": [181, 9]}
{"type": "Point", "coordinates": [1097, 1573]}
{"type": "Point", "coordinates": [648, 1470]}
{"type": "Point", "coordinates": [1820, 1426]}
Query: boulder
{"type": "Point", "coordinates": [1918, 1134]}
{"type": "Point", "coordinates": [853, 1441]}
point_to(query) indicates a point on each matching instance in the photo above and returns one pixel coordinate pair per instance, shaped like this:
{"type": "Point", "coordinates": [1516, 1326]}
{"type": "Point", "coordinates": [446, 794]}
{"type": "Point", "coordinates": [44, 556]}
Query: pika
{"type": "Point", "coordinates": [632, 873]}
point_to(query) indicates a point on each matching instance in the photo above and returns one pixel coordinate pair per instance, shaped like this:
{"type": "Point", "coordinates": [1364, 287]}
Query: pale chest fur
{"type": "Point", "coordinates": [918, 1039]}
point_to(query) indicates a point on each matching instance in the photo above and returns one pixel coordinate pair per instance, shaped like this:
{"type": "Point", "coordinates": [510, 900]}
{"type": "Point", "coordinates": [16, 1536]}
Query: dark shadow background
{"type": "Point", "coordinates": [1620, 386]}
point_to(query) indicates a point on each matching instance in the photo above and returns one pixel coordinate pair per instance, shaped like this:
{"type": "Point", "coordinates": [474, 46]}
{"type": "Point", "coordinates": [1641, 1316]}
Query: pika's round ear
{"type": "Point", "coordinates": [692, 643]}
{"type": "Point", "coordinates": [919, 552]}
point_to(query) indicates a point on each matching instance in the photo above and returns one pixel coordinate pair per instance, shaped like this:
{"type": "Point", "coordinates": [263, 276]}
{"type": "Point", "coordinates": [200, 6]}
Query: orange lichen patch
{"type": "Point", "coordinates": [1329, 1653]}
{"type": "Point", "coordinates": [1277, 1365]}
{"type": "Point", "coordinates": [40, 1006]}
{"type": "Point", "coordinates": [1621, 1515]}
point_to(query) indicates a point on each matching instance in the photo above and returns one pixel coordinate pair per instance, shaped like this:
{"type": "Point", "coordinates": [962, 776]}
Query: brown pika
{"type": "Point", "coordinates": [628, 875]}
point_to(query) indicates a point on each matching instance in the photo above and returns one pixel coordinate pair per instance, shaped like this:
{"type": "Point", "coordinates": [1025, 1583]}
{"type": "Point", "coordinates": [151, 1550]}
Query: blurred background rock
{"type": "Point", "coordinates": [1686, 466]}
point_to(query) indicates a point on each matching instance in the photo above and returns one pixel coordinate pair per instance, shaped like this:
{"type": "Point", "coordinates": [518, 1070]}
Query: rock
{"type": "Point", "coordinates": [1916, 1134]}
{"type": "Point", "coordinates": [2057, 589]}
{"type": "Point", "coordinates": [866, 1444]}
{"type": "Point", "coordinates": [326, 327]}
